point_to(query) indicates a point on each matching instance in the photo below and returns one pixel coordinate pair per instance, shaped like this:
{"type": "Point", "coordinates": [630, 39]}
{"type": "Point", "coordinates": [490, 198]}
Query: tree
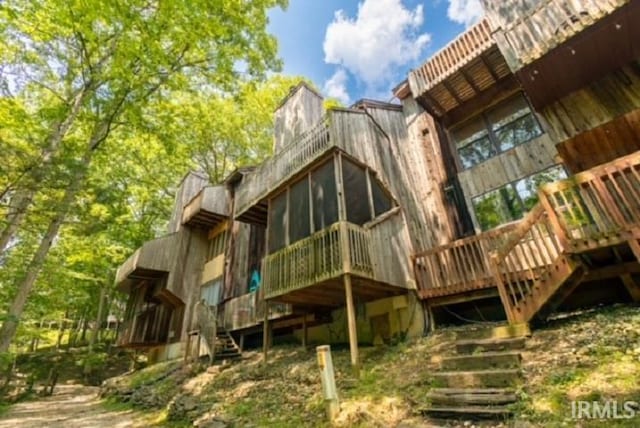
{"type": "Point", "coordinates": [103, 62]}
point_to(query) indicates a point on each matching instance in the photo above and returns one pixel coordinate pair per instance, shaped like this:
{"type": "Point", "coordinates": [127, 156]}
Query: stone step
{"type": "Point", "coordinates": [228, 355]}
{"type": "Point", "coordinates": [468, 412]}
{"type": "Point", "coordinates": [489, 345]}
{"type": "Point", "coordinates": [483, 361]}
{"type": "Point", "coordinates": [469, 396]}
{"type": "Point", "coordinates": [478, 378]}
{"type": "Point", "coordinates": [499, 332]}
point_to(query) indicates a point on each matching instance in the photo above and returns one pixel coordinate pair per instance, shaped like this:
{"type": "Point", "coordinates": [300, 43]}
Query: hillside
{"type": "Point", "coordinates": [592, 356]}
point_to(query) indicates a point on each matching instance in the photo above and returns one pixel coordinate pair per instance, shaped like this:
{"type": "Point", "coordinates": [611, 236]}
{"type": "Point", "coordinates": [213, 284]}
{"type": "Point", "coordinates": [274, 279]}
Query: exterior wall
{"type": "Point", "coordinates": [302, 109]}
{"type": "Point", "coordinates": [595, 104]}
{"type": "Point", "coordinates": [377, 321]}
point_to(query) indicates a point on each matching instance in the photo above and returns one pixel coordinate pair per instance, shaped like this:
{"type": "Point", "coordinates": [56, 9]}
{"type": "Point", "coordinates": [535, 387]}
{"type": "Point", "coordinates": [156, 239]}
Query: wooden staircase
{"type": "Point", "coordinates": [541, 262]}
{"type": "Point", "coordinates": [226, 348]}
{"type": "Point", "coordinates": [479, 381]}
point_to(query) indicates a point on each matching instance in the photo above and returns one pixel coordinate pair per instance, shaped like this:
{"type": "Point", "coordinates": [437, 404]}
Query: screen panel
{"type": "Point", "coordinates": [325, 198]}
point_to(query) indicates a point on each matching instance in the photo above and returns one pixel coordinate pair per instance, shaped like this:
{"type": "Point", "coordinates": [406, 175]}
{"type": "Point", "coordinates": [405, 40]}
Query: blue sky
{"type": "Point", "coordinates": [354, 49]}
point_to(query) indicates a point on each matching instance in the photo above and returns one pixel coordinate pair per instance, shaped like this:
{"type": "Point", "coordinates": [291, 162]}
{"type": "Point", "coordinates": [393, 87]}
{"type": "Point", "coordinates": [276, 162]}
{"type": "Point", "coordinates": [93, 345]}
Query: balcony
{"type": "Point", "coordinates": [249, 205]}
{"type": "Point", "coordinates": [309, 272]}
{"type": "Point", "coordinates": [208, 208]}
{"type": "Point", "coordinates": [152, 261]}
{"type": "Point", "coordinates": [466, 67]}
{"type": "Point", "coordinates": [526, 31]}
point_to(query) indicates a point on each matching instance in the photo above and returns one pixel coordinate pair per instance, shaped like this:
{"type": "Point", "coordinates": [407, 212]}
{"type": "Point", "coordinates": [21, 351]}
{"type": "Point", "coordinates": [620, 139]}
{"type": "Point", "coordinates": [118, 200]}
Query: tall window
{"type": "Point", "coordinates": [510, 202]}
{"type": "Point", "coordinates": [217, 245]}
{"type": "Point", "coordinates": [496, 130]}
{"type": "Point", "coordinates": [361, 205]}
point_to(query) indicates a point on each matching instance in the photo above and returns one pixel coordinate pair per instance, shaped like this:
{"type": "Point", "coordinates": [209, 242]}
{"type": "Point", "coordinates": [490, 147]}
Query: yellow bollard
{"type": "Point", "coordinates": [328, 381]}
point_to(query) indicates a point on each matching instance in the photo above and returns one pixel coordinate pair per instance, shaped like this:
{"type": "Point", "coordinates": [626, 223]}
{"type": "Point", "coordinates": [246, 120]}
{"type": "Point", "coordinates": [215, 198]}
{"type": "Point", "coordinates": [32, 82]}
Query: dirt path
{"type": "Point", "coordinates": [71, 406]}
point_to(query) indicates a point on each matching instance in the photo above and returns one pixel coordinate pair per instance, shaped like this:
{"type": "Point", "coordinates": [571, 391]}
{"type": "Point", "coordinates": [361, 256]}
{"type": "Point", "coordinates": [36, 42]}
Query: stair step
{"type": "Point", "coordinates": [478, 378]}
{"type": "Point", "coordinates": [499, 332]}
{"type": "Point", "coordinates": [470, 396]}
{"type": "Point", "coordinates": [489, 345]}
{"type": "Point", "coordinates": [468, 412]}
{"type": "Point", "coordinates": [483, 361]}
{"type": "Point", "coordinates": [227, 355]}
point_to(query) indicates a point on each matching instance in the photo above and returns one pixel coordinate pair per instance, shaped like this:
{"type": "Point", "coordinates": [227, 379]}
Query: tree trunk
{"type": "Point", "coordinates": [8, 330]}
{"type": "Point", "coordinates": [98, 323]}
{"type": "Point", "coordinates": [26, 194]}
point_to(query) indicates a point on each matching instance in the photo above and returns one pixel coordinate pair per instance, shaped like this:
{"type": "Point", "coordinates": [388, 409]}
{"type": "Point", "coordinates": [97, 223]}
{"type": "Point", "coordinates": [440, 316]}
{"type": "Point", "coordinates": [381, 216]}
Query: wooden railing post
{"type": "Point", "coordinates": [502, 289]}
{"type": "Point", "coordinates": [556, 224]}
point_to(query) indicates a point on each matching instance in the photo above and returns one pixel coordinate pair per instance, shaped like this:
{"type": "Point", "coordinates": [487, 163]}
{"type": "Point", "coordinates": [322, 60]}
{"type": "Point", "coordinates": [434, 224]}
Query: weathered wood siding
{"type": "Point", "coordinates": [525, 30]}
{"type": "Point", "coordinates": [238, 253]}
{"type": "Point", "coordinates": [391, 250]}
{"type": "Point", "coordinates": [519, 162]}
{"type": "Point", "coordinates": [380, 140]}
{"type": "Point", "coordinates": [600, 102]}
{"type": "Point", "coordinates": [299, 112]}
{"type": "Point", "coordinates": [191, 184]}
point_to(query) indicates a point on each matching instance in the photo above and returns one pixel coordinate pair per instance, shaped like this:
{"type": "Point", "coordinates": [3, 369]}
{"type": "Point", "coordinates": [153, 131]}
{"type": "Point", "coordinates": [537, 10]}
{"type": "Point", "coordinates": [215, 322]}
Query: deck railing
{"type": "Point", "coordinates": [282, 165]}
{"type": "Point", "coordinates": [464, 264]}
{"type": "Point", "coordinates": [466, 47]}
{"type": "Point", "coordinates": [525, 31]}
{"type": "Point", "coordinates": [597, 204]}
{"type": "Point", "coordinates": [526, 255]}
{"type": "Point", "coordinates": [329, 253]}
{"type": "Point", "coordinates": [248, 310]}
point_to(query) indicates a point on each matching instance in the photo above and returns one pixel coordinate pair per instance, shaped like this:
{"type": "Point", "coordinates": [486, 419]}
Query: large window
{"type": "Point", "coordinates": [496, 130]}
{"type": "Point", "coordinates": [510, 202]}
{"type": "Point", "coordinates": [311, 203]}
{"type": "Point", "coordinates": [217, 245]}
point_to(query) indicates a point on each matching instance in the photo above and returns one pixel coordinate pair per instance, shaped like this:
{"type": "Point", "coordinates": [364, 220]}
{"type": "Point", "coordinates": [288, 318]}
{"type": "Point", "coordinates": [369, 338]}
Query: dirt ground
{"type": "Point", "coordinates": [71, 406]}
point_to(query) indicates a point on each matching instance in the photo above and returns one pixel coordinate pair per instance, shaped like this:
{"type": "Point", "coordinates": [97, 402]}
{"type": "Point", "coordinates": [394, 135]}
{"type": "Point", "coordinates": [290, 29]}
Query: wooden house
{"type": "Point", "coordinates": [505, 185]}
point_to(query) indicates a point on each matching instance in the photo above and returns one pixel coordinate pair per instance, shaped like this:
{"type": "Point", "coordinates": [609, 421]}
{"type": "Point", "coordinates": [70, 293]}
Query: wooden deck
{"type": "Point", "coordinates": [247, 311]}
{"type": "Point", "coordinates": [310, 271]}
{"type": "Point", "coordinates": [525, 31]}
{"type": "Point", "coordinates": [460, 71]}
{"type": "Point", "coordinates": [541, 260]}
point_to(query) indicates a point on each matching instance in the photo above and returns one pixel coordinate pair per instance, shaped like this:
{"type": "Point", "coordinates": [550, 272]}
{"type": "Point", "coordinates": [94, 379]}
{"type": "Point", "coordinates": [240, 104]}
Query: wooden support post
{"type": "Point", "coordinates": [502, 290]}
{"type": "Point", "coordinates": [241, 344]}
{"type": "Point", "coordinates": [351, 321]}
{"type": "Point", "coordinates": [634, 244]}
{"type": "Point", "coordinates": [187, 349]}
{"type": "Point", "coordinates": [265, 332]}
{"type": "Point", "coordinates": [632, 286]}
{"type": "Point", "coordinates": [304, 331]}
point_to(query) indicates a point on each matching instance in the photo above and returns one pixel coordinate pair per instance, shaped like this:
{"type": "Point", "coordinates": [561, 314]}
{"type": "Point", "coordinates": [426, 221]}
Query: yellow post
{"type": "Point", "coordinates": [329, 389]}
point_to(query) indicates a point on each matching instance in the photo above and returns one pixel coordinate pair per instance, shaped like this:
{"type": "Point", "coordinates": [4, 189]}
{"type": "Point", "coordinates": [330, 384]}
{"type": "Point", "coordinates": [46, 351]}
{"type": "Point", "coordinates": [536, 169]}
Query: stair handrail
{"type": "Point", "coordinates": [208, 323]}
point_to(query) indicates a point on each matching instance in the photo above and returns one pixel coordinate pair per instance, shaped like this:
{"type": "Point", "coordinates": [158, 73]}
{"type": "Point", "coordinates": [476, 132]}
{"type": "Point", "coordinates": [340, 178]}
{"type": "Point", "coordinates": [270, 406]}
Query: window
{"type": "Point", "coordinates": [325, 198]}
{"type": "Point", "coordinates": [278, 222]}
{"type": "Point", "coordinates": [362, 206]}
{"type": "Point", "coordinates": [510, 202]}
{"type": "Point", "coordinates": [299, 219]}
{"type": "Point", "coordinates": [217, 245]}
{"type": "Point", "coordinates": [210, 292]}
{"type": "Point", "coordinates": [496, 130]}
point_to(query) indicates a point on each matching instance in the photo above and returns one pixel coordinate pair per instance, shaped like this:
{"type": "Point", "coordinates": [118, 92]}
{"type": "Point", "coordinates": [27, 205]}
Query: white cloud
{"type": "Point", "coordinates": [465, 12]}
{"type": "Point", "coordinates": [383, 36]}
{"type": "Point", "coordinates": [336, 86]}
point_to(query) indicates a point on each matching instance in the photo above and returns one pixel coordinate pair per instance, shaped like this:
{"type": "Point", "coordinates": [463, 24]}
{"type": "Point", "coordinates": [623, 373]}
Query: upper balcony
{"type": "Point", "coordinates": [460, 71]}
{"type": "Point", "coordinates": [152, 261]}
{"type": "Point", "coordinates": [249, 204]}
{"type": "Point", "coordinates": [527, 30]}
{"type": "Point", "coordinates": [208, 208]}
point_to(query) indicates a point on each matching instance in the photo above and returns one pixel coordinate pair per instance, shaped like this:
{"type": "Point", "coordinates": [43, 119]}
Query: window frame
{"type": "Point", "coordinates": [513, 186]}
{"type": "Point", "coordinates": [491, 134]}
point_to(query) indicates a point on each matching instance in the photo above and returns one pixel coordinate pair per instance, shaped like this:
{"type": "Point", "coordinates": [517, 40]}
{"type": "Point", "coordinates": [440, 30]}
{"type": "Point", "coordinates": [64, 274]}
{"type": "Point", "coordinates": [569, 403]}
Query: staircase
{"type": "Point", "coordinates": [226, 348]}
{"type": "Point", "coordinates": [478, 382]}
{"type": "Point", "coordinates": [540, 264]}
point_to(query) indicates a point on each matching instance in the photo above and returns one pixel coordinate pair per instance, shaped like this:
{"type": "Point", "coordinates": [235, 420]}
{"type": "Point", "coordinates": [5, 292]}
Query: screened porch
{"type": "Point", "coordinates": [335, 220]}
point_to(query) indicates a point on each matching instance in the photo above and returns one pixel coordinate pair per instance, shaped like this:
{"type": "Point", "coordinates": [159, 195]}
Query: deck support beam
{"type": "Point", "coordinates": [633, 288]}
{"type": "Point", "coordinates": [304, 331]}
{"type": "Point", "coordinates": [265, 332]}
{"type": "Point", "coordinates": [351, 321]}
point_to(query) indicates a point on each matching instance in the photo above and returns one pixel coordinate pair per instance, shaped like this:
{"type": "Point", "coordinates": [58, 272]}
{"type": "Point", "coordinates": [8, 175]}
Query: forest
{"type": "Point", "coordinates": [104, 106]}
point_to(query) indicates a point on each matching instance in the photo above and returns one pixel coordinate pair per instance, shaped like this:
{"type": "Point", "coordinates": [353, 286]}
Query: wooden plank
{"type": "Point", "coordinates": [351, 325]}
